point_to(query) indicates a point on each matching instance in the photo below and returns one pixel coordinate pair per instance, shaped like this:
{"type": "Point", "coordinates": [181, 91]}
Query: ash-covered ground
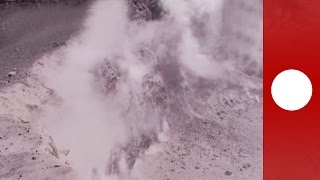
{"type": "Point", "coordinates": [135, 89]}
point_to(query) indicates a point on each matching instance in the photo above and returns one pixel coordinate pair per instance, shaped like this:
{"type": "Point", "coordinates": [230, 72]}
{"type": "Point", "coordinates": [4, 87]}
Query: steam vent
{"type": "Point", "coordinates": [130, 89]}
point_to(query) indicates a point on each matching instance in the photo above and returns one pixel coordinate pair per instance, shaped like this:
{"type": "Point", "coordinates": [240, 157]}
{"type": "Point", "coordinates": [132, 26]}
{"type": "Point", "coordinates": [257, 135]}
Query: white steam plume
{"type": "Point", "coordinates": [91, 124]}
{"type": "Point", "coordinates": [86, 122]}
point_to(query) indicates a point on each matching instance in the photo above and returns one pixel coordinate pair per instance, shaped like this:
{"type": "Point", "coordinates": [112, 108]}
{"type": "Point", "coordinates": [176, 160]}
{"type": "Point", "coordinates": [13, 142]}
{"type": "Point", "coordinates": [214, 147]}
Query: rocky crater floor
{"type": "Point", "coordinates": [137, 89]}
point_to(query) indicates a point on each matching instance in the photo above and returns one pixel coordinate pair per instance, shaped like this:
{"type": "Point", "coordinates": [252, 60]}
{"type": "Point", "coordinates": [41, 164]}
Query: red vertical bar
{"type": "Point", "coordinates": [292, 41]}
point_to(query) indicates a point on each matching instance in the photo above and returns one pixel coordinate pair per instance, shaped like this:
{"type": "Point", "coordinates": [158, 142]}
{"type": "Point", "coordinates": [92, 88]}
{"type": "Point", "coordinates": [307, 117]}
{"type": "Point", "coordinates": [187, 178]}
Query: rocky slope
{"type": "Point", "coordinates": [181, 123]}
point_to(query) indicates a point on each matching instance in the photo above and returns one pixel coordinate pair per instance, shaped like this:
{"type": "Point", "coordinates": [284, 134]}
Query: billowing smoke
{"type": "Point", "coordinates": [86, 122]}
{"type": "Point", "coordinates": [110, 80]}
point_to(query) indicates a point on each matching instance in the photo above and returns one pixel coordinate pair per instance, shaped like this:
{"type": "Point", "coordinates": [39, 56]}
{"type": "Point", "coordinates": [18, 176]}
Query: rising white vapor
{"type": "Point", "coordinates": [89, 118]}
{"type": "Point", "coordinates": [85, 122]}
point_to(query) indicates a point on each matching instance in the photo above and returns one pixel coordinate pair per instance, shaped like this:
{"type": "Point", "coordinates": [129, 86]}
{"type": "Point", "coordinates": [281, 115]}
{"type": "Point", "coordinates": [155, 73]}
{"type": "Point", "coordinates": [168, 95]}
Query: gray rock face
{"type": "Point", "coordinates": [108, 75]}
{"type": "Point", "coordinates": [215, 125]}
{"type": "Point", "coordinates": [144, 9]}
{"type": "Point", "coordinates": [189, 108]}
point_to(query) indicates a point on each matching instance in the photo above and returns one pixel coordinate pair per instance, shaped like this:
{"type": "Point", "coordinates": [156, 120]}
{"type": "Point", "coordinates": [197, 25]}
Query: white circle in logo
{"type": "Point", "coordinates": [291, 90]}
